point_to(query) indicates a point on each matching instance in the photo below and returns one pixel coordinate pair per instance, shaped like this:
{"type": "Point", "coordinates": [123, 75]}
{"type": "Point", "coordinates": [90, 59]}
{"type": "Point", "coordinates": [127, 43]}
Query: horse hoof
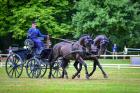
{"type": "Point", "coordinates": [60, 77]}
{"type": "Point", "coordinates": [73, 76]}
{"type": "Point", "coordinates": [49, 77]}
{"type": "Point", "coordinates": [67, 77]}
{"type": "Point", "coordinates": [87, 76]}
{"type": "Point", "coordinates": [78, 76]}
{"type": "Point", "coordinates": [105, 76]}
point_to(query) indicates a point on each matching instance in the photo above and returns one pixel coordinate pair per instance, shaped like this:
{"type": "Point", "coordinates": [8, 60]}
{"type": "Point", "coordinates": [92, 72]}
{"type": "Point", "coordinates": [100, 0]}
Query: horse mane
{"type": "Point", "coordinates": [100, 37]}
{"type": "Point", "coordinates": [81, 39]}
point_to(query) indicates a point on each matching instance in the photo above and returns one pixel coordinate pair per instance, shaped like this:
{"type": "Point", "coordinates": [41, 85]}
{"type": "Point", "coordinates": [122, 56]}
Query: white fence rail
{"type": "Point", "coordinates": [117, 66]}
{"type": "Point", "coordinates": [120, 55]}
{"type": "Point", "coordinates": [3, 55]}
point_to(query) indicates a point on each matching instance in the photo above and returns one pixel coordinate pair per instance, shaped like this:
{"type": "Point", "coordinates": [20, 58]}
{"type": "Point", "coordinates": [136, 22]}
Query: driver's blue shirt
{"type": "Point", "coordinates": [34, 33]}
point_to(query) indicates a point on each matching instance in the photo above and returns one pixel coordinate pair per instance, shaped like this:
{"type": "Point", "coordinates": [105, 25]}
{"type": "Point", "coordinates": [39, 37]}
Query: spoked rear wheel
{"type": "Point", "coordinates": [33, 68]}
{"type": "Point", "coordinates": [14, 66]}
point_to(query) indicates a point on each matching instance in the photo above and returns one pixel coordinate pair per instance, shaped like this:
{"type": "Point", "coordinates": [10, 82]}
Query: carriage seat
{"type": "Point", "coordinates": [45, 53]}
{"type": "Point", "coordinates": [23, 53]}
{"type": "Point", "coordinates": [29, 44]}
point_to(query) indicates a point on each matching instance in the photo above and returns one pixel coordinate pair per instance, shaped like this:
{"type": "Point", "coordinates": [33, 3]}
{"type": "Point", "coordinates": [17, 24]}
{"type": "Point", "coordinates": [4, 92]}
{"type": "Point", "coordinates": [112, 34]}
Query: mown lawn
{"type": "Point", "coordinates": [124, 80]}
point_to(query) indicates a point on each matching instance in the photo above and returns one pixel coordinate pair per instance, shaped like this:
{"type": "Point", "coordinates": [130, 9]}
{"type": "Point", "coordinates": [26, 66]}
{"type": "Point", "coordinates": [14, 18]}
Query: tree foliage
{"type": "Point", "coordinates": [115, 18]}
{"type": "Point", "coordinates": [50, 15]}
{"type": "Point", "coordinates": [118, 19]}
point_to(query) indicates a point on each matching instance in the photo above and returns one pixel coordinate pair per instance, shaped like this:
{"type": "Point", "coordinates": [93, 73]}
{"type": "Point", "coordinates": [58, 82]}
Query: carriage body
{"type": "Point", "coordinates": [26, 57]}
{"type": "Point", "coordinates": [25, 54]}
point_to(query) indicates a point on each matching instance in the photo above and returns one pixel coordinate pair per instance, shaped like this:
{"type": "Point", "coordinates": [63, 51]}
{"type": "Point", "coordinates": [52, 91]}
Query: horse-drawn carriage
{"type": "Point", "coordinates": [56, 59]}
{"type": "Point", "coordinates": [35, 66]}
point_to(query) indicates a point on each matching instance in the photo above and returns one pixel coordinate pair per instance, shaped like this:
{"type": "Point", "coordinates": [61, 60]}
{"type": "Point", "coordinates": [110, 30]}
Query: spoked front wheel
{"type": "Point", "coordinates": [57, 69]}
{"type": "Point", "coordinates": [43, 69]}
{"type": "Point", "coordinates": [14, 66]}
{"type": "Point", "coordinates": [33, 68]}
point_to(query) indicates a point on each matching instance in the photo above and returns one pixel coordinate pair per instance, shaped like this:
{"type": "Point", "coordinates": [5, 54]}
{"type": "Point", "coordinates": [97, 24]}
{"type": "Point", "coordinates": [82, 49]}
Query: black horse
{"type": "Point", "coordinates": [69, 51]}
{"type": "Point", "coordinates": [98, 48]}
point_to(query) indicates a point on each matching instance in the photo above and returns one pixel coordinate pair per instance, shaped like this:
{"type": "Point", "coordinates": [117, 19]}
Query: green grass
{"type": "Point", "coordinates": [115, 61]}
{"type": "Point", "coordinates": [119, 81]}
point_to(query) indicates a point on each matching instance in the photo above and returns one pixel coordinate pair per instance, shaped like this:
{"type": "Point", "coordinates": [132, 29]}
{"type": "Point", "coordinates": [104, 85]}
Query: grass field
{"type": "Point", "coordinates": [124, 80]}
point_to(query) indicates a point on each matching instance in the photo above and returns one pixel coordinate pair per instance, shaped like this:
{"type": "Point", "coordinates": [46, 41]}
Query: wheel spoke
{"type": "Point", "coordinates": [13, 72]}
{"type": "Point", "coordinates": [10, 70]}
{"type": "Point", "coordinates": [31, 71]}
{"type": "Point", "coordinates": [14, 59]}
{"type": "Point", "coordinates": [17, 71]}
{"type": "Point", "coordinates": [59, 73]}
{"type": "Point", "coordinates": [42, 71]}
{"type": "Point", "coordinates": [54, 72]}
{"type": "Point", "coordinates": [9, 67]}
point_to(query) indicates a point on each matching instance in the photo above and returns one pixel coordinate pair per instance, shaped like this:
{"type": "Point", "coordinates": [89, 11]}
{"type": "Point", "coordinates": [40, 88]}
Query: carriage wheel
{"type": "Point", "coordinates": [14, 66]}
{"type": "Point", "coordinates": [57, 70]}
{"type": "Point", "coordinates": [33, 68]}
{"type": "Point", "coordinates": [43, 69]}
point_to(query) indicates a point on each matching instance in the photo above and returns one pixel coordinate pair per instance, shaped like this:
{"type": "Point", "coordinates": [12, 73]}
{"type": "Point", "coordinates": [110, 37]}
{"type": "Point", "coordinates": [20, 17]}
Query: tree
{"type": "Point", "coordinates": [114, 18]}
{"type": "Point", "coordinates": [52, 16]}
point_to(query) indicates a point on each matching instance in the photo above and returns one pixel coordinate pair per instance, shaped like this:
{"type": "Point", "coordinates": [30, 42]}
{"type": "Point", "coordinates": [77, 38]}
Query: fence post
{"type": "Point", "coordinates": [0, 64]}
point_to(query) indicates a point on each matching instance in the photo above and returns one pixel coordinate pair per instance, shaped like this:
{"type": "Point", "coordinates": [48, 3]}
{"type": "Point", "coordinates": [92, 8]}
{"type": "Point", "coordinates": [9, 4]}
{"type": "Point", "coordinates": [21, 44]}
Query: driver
{"type": "Point", "coordinates": [33, 34]}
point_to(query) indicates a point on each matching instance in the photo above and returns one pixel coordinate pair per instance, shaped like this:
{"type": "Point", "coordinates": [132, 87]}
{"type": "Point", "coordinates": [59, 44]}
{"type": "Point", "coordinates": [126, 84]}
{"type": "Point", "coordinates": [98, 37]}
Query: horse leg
{"type": "Point", "coordinates": [80, 68]}
{"type": "Point", "coordinates": [81, 61]}
{"type": "Point", "coordinates": [99, 65]}
{"type": "Point", "coordinates": [51, 60]}
{"type": "Point", "coordinates": [94, 68]}
{"type": "Point", "coordinates": [65, 72]}
{"type": "Point", "coordinates": [50, 73]}
{"type": "Point", "coordinates": [62, 76]}
{"type": "Point", "coordinates": [76, 67]}
{"type": "Point", "coordinates": [64, 65]}
{"type": "Point", "coordinates": [85, 65]}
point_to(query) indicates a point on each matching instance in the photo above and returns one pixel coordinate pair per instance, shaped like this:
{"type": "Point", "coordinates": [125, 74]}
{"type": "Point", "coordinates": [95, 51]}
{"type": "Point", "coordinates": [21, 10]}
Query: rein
{"type": "Point", "coordinates": [69, 41]}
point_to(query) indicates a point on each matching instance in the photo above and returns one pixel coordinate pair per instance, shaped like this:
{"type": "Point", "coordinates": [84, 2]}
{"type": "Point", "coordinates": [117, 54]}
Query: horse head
{"type": "Point", "coordinates": [86, 41]}
{"type": "Point", "coordinates": [101, 42]}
